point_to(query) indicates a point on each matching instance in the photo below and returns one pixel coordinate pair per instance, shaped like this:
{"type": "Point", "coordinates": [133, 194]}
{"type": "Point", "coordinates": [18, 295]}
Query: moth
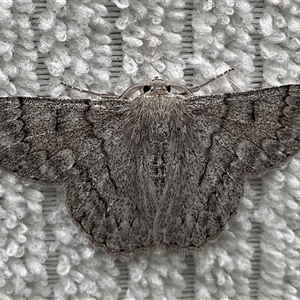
{"type": "Point", "coordinates": [163, 168]}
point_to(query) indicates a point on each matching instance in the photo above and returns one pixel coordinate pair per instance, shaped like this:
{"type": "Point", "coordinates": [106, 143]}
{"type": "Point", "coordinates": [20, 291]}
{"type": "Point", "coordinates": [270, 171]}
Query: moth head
{"type": "Point", "coordinates": [157, 86]}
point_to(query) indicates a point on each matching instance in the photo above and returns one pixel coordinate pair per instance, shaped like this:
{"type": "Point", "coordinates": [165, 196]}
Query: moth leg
{"type": "Point", "coordinates": [89, 92]}
{"type": "Point", "coordinates": [197, 88]}
{"type": "Point", "coordinates": [131, 90]}
{"type": "Point", "coordinates": [186, 90]}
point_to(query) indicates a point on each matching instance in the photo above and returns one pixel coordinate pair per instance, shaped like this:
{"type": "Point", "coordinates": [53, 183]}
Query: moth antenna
{"type": "Point", "coordinates": [89, 92]}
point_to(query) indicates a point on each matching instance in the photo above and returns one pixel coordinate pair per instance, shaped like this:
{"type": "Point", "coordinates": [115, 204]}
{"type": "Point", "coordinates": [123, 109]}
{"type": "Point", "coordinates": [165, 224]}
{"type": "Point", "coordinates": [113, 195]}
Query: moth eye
{"type": "Point", "coordinates": [168, 87]}
{"type": "Point", "coordinates": [146, 88]}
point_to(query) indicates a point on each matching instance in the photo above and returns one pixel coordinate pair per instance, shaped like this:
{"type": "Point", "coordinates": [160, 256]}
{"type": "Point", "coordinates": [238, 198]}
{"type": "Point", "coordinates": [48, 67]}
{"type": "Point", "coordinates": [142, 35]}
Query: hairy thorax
{"type": "Point", "coordinates": [158, 118]}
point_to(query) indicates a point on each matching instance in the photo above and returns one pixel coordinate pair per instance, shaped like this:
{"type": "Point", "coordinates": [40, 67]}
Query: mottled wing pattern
{"type": "Point", "coordinates": [77, 143]}
{"type": "Point", "coordinates": [41, 139]}
{"type": "Point", "coordinates": [234, 135]}
{"type": "Point", "coordinates": [119, 215]}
